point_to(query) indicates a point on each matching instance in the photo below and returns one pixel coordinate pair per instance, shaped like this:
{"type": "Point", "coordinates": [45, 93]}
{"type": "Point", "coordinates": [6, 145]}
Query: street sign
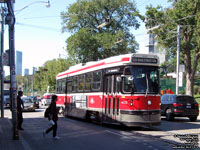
{"type": "Point", "coordinates": [3, 1]}
{"type": "Point", "coordinates": [5, 58]}
{"type": "Point", "coordinates": [180, 79]}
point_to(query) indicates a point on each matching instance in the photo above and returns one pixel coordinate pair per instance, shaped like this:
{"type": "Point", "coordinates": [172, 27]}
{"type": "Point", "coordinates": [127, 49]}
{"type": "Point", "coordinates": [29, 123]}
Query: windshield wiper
{"type": "Point", "coordinates": [147, 89]}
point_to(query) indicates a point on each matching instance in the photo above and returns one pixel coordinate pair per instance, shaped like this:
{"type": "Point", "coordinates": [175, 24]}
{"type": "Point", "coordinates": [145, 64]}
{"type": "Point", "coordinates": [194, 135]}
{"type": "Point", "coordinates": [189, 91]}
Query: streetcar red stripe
{"type": "Point", "coordinates": [96, 65]}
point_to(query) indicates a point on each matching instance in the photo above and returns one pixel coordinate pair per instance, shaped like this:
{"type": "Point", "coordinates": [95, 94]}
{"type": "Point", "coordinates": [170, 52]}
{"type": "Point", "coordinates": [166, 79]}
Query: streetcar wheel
{"type": "Point", "coordinates": [169, 115]}
{"type": "Point", "coordinates": [87, 117]}
{"type": "Point", "coordinates": [65, 113]}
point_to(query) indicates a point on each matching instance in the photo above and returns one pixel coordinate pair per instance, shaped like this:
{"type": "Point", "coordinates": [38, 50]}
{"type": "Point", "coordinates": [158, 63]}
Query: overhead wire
{"type": "Point", "coordinates": [39, 27]}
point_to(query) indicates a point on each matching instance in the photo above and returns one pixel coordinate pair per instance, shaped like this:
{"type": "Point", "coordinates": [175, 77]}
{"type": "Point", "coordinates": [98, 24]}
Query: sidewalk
{"type": "Point", "coordinates": [6, 136]}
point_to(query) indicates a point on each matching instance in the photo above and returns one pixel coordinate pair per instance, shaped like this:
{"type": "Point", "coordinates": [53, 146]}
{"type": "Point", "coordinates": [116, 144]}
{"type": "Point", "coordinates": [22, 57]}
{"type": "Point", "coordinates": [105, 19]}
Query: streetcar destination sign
{"type": "Point", "coordinates": [145, 60]}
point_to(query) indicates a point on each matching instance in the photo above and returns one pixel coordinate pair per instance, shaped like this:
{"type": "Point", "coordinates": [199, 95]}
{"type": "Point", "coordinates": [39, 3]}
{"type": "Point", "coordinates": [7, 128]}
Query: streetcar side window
{"type": "Point", "coordinates": [96, 84]}
{"type": "Point", "coordinates": [63, 86]}
{"type": "Point", "coordinates": [74, 84]}
{"type": "Point", "coordinates": [59, 86]}
{"type": "Point", "coordinates": [69, 85]}
{"type": "Point", "coordinates": [81, 81]}
{"type": "Point", "coordinates": [88, 80]}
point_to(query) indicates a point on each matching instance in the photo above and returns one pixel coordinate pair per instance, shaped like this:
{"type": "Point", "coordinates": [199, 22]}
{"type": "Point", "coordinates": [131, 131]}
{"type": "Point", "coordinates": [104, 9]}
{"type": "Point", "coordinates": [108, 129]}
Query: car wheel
{"type": "Point", "coordinates": [169, 115]}
{"type": "Point", "coordinates": [193, 119]}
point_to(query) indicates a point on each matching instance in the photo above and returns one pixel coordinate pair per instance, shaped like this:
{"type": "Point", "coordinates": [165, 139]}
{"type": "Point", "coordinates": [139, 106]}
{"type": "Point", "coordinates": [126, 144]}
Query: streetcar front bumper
{"type": "Point", "coordinates": [140, 117]}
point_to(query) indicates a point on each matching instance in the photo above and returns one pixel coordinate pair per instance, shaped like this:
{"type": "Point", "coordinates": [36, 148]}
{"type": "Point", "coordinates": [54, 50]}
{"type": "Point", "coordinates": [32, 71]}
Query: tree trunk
{"type": "Point", "coordinates": [189, 84]}
{"type": "Point", "coordinates": [190, 70]}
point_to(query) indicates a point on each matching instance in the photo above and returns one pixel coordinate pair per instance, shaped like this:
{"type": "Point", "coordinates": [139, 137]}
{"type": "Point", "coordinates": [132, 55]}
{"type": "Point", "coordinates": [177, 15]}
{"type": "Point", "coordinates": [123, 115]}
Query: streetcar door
{"type": "Point", "coordinates": [111, 100]}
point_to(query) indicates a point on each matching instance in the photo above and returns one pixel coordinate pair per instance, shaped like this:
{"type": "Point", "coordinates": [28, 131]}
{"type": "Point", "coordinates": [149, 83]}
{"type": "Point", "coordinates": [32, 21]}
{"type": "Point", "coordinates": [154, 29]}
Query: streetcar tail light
{"type": "Point", "coordinates": [176, 105]}
{"type": "Point", "coordinates": [197, 105]}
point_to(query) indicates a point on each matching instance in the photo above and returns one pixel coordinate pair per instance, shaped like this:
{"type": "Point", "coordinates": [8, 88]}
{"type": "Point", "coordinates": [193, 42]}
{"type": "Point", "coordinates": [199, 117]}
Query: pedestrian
{"type": "Point", "coordinates": [53, 118]}
{"type": "Point", "coordinates": [20, 105]}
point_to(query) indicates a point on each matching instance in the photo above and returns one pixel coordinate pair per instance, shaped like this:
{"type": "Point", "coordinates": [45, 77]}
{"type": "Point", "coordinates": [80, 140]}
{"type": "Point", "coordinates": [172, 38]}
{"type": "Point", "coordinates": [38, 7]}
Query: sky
{"type": "Point", "coordinates": [38, 30]}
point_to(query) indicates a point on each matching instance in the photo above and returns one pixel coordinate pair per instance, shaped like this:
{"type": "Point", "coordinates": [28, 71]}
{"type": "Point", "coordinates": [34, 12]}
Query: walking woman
{"type": "Point", "coordinates": [53, 117]}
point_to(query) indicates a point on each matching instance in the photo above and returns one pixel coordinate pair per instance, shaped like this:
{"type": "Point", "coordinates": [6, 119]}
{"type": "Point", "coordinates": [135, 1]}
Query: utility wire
{"type": "Point", "coordinates": [41, 17]}
{"type": "Point", "coordinates": [39, 27]}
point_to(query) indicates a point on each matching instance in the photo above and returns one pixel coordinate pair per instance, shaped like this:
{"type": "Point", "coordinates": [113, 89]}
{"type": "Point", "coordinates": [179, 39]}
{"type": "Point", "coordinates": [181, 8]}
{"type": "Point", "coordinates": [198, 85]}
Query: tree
{"type": "Point", "coordinates": [185, 13]}
{"type": "Point", "coordinates": [90, 43]}
{"type": "Point", "coordinates": [46, 75]}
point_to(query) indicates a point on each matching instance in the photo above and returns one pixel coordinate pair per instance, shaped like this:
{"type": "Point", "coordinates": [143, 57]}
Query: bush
{"type": "Point", "coordinates": [196, 90]}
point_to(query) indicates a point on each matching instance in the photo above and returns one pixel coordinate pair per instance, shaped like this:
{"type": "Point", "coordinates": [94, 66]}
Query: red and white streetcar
{"type": "Point", "coordinates": [122, 89]}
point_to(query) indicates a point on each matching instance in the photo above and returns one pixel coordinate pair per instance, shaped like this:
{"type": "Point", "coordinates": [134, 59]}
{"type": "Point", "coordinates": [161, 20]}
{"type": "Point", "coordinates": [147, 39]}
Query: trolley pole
{"type": "Point", "coordinates": [1, 63]}
{"type": "Point", "coordinates": [13, 90]}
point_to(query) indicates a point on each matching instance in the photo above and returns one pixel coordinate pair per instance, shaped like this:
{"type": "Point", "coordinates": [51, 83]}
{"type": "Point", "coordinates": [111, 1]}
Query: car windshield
{"type": "Point", "coordinates": [33, 98]}
{"type": "Point", "coordinates": [186, 99]}
{"type": "Point", "coordinates": [27, 100]}
{"type": "Point", "coordinates": [141, 79]}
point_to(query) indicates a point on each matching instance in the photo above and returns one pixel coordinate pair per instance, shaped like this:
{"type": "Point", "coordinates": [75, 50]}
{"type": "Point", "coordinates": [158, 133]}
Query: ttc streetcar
{"type": "Point", "coordinates": [121, 89]}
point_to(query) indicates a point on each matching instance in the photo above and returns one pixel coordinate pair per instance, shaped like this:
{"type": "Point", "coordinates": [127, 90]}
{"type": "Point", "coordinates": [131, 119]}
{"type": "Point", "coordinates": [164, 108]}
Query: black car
{"type": "Point", "coordinates": [179, 106]}
{"type": "Point", "coordinates": [35, 100]}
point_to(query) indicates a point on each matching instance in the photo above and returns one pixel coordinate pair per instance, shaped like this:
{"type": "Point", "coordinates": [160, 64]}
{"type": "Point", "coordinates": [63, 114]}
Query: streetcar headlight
{"type": "Point", "coordinates": [131, 102]}
{"type": "Point", "coordinates": [149, 102]}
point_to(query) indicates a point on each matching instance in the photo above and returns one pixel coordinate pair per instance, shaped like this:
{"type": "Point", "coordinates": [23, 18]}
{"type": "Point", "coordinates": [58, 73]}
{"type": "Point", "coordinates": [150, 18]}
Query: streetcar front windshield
{"type": "Point", "coordinates": [141, 79]}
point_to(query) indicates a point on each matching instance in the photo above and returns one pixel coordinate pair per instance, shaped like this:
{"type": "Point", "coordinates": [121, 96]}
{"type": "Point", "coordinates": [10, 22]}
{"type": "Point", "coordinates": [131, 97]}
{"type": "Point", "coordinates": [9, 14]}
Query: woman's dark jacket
{"type": "Point", "coordinates": [53, 111]}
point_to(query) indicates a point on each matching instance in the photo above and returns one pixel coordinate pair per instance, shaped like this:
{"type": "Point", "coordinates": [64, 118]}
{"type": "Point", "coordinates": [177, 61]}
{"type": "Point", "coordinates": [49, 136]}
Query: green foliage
{"type": "Point", "coordinates": [46, 75]}
{"type": "Point", "coordinates": [196, 89]}
{"type": "Point", "coordinates": [88, 42]}
{"type": "Point", "coordinates": [197, 97]}
{"type": "Point", "coordinates": [185, 13]}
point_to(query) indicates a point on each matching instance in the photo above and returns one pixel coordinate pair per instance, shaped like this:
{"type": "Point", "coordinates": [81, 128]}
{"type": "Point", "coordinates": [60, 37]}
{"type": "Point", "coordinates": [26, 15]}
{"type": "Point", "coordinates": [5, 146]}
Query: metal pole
{"type": "Point", "coordinates": [32, 86]}
{"type": "Point", "coordinates": [13, 96]}
{"type": "Point", "coordinates": [178, 57]}
{"type": "Point", "coordinates": [47, 81]}
{"type": "Point", "coordinates": [2, 69]}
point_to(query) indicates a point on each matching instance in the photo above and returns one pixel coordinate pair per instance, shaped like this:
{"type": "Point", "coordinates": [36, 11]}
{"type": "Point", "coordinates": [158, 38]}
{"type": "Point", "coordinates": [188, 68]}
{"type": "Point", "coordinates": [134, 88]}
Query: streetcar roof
{"type": "Point", "coordinates": [106, 63]}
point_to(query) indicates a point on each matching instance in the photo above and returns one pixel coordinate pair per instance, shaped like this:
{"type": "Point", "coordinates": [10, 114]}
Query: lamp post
{"type": "Point", "coordinates": [1, 63]}
{"type": "Point", "coordinates": [47, 4]}
{"type": "Point", "coordinates": [10, 20]}
{"type": "Point", "coordinates": [178, 54]}
{"type": "Point", "coordinates": [178, 58]}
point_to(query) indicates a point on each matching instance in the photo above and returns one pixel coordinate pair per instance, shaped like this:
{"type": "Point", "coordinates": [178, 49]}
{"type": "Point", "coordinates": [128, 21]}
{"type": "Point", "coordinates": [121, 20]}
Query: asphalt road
{"type": "Point", "coordinates": [80, 135]}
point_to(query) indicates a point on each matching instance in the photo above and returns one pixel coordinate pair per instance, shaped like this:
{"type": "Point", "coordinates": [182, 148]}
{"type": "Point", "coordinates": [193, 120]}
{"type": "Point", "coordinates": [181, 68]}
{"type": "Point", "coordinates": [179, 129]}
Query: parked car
{"type": "Point", "coordinates": [6, 98]}
{"type": "Point", "coordinates": [35, 100]}
{"type": "Point", "coordinates": [179, 106]}
{"type": "Point", "coordinates": [46, 99]}
{"type": "Point", "coordinates": [28, 104]}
